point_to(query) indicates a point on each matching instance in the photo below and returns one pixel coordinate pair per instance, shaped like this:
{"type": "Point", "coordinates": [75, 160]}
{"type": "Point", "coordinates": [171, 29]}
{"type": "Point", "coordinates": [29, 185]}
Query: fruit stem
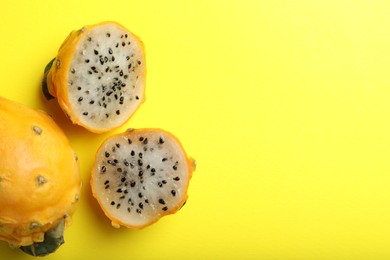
{"type": "Point", "coordinates": [45, 88]}
{"type": "Point", "coordinates": [53, 239]}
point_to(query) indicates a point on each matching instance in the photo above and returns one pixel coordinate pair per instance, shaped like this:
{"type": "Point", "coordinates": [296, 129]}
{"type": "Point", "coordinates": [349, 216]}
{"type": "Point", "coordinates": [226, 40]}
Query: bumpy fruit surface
{"type": "Point", "coordinates": [140, 176]}
{"type": "Point", "coordinates": [98, 76]}
{"type": "Point", "coordinates": [39, 176]}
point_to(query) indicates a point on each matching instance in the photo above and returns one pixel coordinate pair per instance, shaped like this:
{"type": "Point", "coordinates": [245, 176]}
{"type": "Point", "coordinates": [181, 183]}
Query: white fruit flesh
{"type": "Point", "coordinates": [140, 180]}
{"type": "Point", "coordinates": [106, 77]}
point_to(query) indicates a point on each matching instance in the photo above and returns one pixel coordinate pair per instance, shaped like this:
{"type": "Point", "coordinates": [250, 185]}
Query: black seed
{"type": "Point", "coordinates": [112, 202]}
{"type": "Point", "coordinates": [145, 141]}
{"type": "Point", "coordinates": [141, 139]}
{"type": "Point", "coordinates": [123, 43]}
{"type": "Point", "coordinates": [109, 93]}
{"type": "Point", "coordinates": [105, 59]}
{"type": "Point", "coordinates": [115, 160]}
{"type": "Point", "coordinates": [122, 197]}
{"type": "Point", "coordinates": [140, 173]}
{"type": "Point", "coordinates": [119, 169]}
{"type": "Point", "coordinates": [165, 208]}
{"type": "Point", "coordinates": [117, 45]}
{"type": "Point", "coordinates": [79, 88]}
{"type": "Point", "coordinates": [173, 192]}
{"type": "Point", "coordinates": [121, 73]}
{"type": "Point", "coordinates": [126, 35]}
{"type": "Point", "coordinates": [89, 39]}
{"type": "Point", "coordinates": [160, 141]}
{"type": "Point", "coordinates": [132, 153]}
{"type": "Point", "coordinates": [130, 201]}
{"type": "Point", "coordinates": [131, 166]}
{"type": "Point", "coordinates": [109, 50]}
{"type": "Point", "coordinates": [128, 210]}
{"type": "Point", "coordinates": [137, 97]}
{"type": "Point", "coordinates": [127, 57]}
{"type": "Point", "coordinates": [139, 62]}
{"type": "Point", "coordinates": [73, 70]}
{"type": "Point", "coordinates": [106, 182]}
{"type": "Point", "coordinates": [164, 159]}
{"type": "Point", "coordinates": [107, 186]}
{"type": "Point", "coordinates": [132, 184]}
{"type": "Point", "coordinates": [118, 112]}
{"type": "Point", "coordinates": [106, 114]}
{"type": "Point", "coordinates": [160, 184]}
{"type": "Point", "coordinates": [118, 205]}
{"type": "Point", "coordinates": [87, 61]}
{"type": "Point", "coordinates": [113, 58]}
{"type": "Point", "coordinates": [96, 52]}
{"type": "Point", "coordinates": [140, 195]}
{"type": "Point", "coordinates": [175, 166]}
{"type": "Point", "coordinates": [177, 178]}
{"type": "Point", "coordinates": [164, 181]}
{"type": "Point", "coordinates": [103, 170]}
{"type": "Point", "coordinates": [119, 190]}
{"type": "Point", "coordinates": [140, 205]}
{"type": "Point", "coordinates": [108, 34]}
{"type": "Point", "coordinates": [129, 66]}
{"type": "Point", "coordinates": [139, 211]}
{"type": "Point", "coordinates": [129, 141]}
{"type": "Point", "coordinates": [80, 99]}
{"type": "Point", "coordinates": [161, 201]}
{"type": "Point", "coordinates": [126, 191]}
{"type": "Point", "coordinates": [140, 155]}
{"type": "Point", "coordinates": [140, 163]}
{"type": "Point", "coordinates": [117, 145]}
{"type": "Point", "coordinates": [101, 60]}
{"type": "Point", "coordinates": [107, 154]}
{"type": "Point", "coordinates": [85, 113]}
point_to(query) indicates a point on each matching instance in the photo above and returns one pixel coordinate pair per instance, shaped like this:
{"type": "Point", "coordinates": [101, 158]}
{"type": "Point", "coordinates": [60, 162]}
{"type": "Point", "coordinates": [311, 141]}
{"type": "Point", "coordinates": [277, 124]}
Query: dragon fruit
{"type": "Point", "coordinates": [140, 176]}
{"type": "Point", "coordinates": [98, 76]}
{"type": "Point", "coordinates": [39, 179]}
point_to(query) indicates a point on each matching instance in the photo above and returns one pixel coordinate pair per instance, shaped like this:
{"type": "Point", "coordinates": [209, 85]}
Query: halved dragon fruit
{"type": "Point", "coordinates": [98, 76]}
{"type": "Point", "coordinates": [140, 176]}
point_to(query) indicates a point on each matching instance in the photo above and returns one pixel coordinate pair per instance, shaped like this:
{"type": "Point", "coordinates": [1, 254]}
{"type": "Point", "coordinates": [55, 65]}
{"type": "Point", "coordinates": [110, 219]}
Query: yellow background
{"type": "Point", "coordinates": [284, 104]}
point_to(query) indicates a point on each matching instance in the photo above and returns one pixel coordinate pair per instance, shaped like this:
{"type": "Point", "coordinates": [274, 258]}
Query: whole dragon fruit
{"type": "Point", "coordinates": [98, 76]}
{"type": "Point", "coordinates": [39, 179]}
{"type": "Point", "coordinates": [140, 176]}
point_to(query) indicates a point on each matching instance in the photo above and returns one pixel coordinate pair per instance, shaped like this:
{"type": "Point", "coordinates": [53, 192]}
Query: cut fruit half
{"type": "Point", "coordinates": [140, 176]}
{"type": "Point", "coordinates": [98, 76]}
